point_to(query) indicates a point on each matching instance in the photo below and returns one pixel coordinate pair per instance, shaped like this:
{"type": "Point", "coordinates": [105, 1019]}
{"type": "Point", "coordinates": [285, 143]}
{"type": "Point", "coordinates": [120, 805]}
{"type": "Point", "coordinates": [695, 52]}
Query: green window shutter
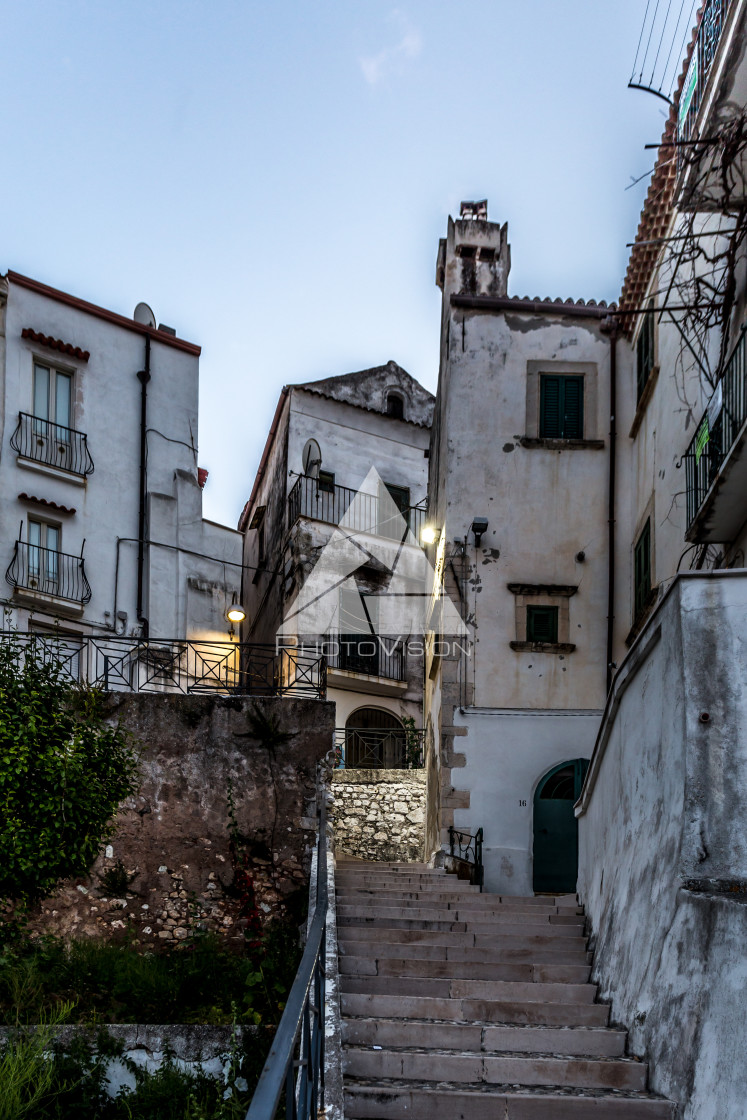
{"type": "Point", "coordinates": [642, 569]}
{"type": "Point", "coordinates": [542, 624]}
{"type": "Point", "coordinates": [573, 412]}
{"type": "Point", "coordinates": [561, 407]}
{"type": "Point", "coordinates": [550, 416]}
{"type": "Point", "coordinates": [645, 350]}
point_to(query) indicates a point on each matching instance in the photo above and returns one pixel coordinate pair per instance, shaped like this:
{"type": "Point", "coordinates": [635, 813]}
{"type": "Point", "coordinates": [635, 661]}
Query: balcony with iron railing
{"type": "Point", "coordinates": [378, 748]}
{"type": "Point", "coordinates": [319, 501]}
{"type": "Point", "coordinates": [357, 655]}
{"type": "Point", "coordinates": [52, 445]}
{"type": "Point", "coordinates": [716, 460]}
{"type": "Point", "coordinates": [35, 571]}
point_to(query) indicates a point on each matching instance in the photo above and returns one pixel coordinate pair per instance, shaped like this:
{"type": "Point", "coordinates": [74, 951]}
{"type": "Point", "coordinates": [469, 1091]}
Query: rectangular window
{"type": "Point", "coordinates": [43, 555]}
{"type": "Point", "coordinates": [561, 407]}
{"type": "Point", "coordinates": [645, 350]}
{"type": "Point", "coordinates": [358, 641]}
{"type": "Point", "coordinates": [542, 624]}
{"type": "Point", "coordinates": [53, 394]}
{"type": "Point", "coordinates": [326, 482]}
{"type": "Point", "coordinates": [642, 569]}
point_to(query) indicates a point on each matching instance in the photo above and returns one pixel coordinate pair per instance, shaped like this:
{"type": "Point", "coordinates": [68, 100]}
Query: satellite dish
{"type": "Point", "coordinates": [312, 458]}
{"type": "Point", "coordinates": [144, 315]}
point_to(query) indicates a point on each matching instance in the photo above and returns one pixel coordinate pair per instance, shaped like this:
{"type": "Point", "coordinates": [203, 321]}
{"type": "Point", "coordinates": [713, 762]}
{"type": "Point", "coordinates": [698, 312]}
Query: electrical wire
{"type": "Point", "coordinates": [661, 40]}
{"type": "Point", "coordinates": [675, 36]}
{"type": "Point", "coordinates": [640, 40]}
{"type": "Point", "coordinates": [688, 26]}
{"type": "Point", "coordinates": [650, 34]}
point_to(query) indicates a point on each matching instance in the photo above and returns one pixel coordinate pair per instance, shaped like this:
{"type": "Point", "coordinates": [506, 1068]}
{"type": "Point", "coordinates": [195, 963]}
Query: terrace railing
{"type": "Point", "coordinates": [711, 25]}
{"type": "Point", "coordinates": [291, 1084]}
{"type": "Point", "coordinates": [119, 664]}
{"type": "Point", "coordinates": [717, 431]}
{"type": "Point", "coordinates": [379, 748]}
{"type": "Point", "coordinates": [374, 656]}
{"type": "Point", "coordinates": [52, 444]}
{"type": "Point", "coordinates": [48, 572]}
{"type": "Point", "coordinates": [313, 498]}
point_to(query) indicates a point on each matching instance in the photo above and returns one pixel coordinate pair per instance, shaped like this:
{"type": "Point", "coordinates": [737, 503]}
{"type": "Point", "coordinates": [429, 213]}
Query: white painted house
{"type": "Point", "coordinates": [101, 526]}
{"type": "Point", "coordinates": [325, 439]}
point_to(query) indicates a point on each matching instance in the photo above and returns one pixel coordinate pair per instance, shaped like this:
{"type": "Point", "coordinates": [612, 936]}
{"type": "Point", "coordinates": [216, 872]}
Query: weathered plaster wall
{"type": "Point", "coordinates": [379, 814]}
{"type": "Point", "coordinates": [663, 846]}
{"type": "Point", "coordinates": [174, 835]}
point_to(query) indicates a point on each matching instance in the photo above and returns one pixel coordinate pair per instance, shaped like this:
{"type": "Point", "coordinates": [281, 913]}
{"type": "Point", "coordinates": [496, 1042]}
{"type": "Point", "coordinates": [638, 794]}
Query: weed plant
{"type": "Point", "coordinates": [201, 982]}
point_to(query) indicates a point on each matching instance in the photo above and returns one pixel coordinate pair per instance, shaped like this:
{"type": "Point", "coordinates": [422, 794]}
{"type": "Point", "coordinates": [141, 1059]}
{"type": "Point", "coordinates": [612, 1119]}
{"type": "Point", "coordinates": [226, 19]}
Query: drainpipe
{"type": "Point", "coordinates": [611, 327]}
{"type": "Point", "coordinates": [143, 377]}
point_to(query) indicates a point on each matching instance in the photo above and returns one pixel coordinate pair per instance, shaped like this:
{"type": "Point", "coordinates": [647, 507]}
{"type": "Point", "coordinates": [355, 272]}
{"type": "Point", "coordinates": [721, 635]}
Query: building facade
{"type": "Point", "coordinates": [101, 526]}
{"type": "Point", "coordinates": [519, 497]}
{"type": "Point", "coordinates": [345, 461]}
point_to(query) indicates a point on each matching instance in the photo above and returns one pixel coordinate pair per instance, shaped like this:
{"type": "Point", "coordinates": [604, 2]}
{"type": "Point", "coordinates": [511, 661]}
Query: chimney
{"type": "Point", "coordinates": [474, 258]}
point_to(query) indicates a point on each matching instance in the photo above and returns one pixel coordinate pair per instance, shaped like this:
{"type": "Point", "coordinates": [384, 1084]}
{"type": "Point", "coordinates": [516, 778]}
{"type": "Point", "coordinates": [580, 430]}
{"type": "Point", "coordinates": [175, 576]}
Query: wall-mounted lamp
{"type": "Point", "coordinates": [479, 526]}
{"type": "Point", "coordinates": [235, 613]}
{"type": "Point", "coordinates": [429, 534]}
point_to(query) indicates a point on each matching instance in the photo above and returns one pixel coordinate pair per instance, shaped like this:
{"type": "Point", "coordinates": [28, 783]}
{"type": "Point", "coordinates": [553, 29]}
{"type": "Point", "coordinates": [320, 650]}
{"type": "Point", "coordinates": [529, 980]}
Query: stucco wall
{"type": "Point", "coordinates": [173, 837]}
{"type": "Point", "coordinates": [379, 814]}
{"type": "Point", "coordinates": [663, 846]}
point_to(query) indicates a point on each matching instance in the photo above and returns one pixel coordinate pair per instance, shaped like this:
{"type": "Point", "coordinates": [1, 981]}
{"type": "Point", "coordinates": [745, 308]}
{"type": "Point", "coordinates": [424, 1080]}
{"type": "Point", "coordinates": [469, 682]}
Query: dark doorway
{"type": "Point", "coordinates": [556, 828]}
{"type": "Point", "coordinates": [374, 740]}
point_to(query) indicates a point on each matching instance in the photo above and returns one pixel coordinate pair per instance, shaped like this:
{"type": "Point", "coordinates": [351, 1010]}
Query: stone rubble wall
{"type": "Point", "coordinates": [379, 814]}
{"type": "Point", "coordinates": [172, 838]}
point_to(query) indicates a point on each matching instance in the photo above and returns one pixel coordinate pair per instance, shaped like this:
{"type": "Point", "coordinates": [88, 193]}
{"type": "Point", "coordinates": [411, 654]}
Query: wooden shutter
{"type": "Point", "coordinates": [573, 408]}
{"type": "Point", "coordinates": [642, 569]}
{"type": "Point", "coordinates": [550, 415]}
{"type": "Point", "coordinates": [542, 624]}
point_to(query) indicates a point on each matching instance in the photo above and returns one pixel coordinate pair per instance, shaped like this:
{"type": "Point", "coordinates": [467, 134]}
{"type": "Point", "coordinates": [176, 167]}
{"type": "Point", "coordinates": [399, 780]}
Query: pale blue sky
{"type": "Point", "coordinates": [273, 178]}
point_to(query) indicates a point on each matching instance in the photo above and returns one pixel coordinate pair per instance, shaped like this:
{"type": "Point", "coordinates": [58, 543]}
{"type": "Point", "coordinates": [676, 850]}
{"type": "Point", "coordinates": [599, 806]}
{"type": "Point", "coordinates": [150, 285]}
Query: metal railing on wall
{"type": "Point", "coordinates": [48, 572]}
{"type": "Point", "coordinates": [312, 498]}
{"type": "Point", "coordinates": [52, 444]}
{"type": "Point", "coordinates": [378, 748]}
{"type": "Point", "coordinates": [717, 431]}
{"type": "Point", "coordinates": [120, 664]}
{"type": "Point", "coordinates": [292, 1081]}
{"type": "Point", "coordinates": [712, 20]}
{"type": "Point", "coordinates": [370, 655]}
{"type": "Point", "coordinates": [466, 848]}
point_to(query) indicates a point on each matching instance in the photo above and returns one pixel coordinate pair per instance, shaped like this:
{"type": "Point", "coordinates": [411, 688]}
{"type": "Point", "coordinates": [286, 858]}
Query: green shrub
{"type": "Point", "coordinates": [63, 773]}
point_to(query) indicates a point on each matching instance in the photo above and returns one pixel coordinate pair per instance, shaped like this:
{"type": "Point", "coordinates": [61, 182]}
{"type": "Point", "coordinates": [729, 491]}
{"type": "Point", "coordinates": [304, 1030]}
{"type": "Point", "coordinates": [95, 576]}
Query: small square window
{"type": "Point", "coordinates": [326, 482]}
{"type": "Point", "coordinates": [542, 624]}
{"type": "Point", "coordinates": [561, 407]}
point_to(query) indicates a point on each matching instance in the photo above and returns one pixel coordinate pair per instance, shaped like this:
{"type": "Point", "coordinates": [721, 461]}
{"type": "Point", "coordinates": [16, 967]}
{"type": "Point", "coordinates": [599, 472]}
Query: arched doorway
{"type": "Point", "coordinates": [556, 828]}
{"type": "Point", "coordinates": [374, 740]}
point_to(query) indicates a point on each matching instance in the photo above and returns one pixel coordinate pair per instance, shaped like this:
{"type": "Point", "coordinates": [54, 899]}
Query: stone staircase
{"type": "Point", "coordinates": [458, 1005]}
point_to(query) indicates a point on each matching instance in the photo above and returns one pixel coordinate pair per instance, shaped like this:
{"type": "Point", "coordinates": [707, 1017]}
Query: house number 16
{"type": "Point", "coordinates": [523, 804]}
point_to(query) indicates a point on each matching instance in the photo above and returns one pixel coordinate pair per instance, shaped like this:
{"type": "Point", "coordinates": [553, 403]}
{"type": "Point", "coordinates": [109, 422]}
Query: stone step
{"type": "Point", "coordinates": [371, 896]}
{"type": "Point", "coordinates": [446, 912]}
{"type": "Point", "coordinates": [529, 972]}
{"type": "Point", "coordinates": [534, 1012]}
{"type": "Point", "coordinates": [507, 939]}
{"type": "Point", "coordinates": [504, 991]}
{"type": "Point", "coordinates": [410, 883]}
{"type": "Point", "coordinates": [590, 1042]}
{"type": "Point", "coordinates": [430, 920]}
{"type": "Point", "coordinates": [373, 1099]}
{"type": "Point", "coordinates": [477, 910]}
{"type": "Point", "coordinates": [495, 1069]}
{"type": "Point", "coordinates": [447, 952]}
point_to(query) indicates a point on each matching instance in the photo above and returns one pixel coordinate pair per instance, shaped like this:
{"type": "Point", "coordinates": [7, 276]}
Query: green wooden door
{"type": "Point", "coordinates": [556, 828]}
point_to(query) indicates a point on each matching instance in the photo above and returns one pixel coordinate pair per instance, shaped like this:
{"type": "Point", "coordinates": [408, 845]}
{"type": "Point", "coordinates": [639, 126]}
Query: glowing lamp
{"type": "Point", "coordinates": [428, 534]}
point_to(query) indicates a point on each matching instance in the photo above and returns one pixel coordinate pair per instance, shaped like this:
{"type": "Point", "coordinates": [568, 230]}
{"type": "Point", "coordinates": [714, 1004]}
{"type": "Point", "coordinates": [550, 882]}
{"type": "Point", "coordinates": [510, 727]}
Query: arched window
{"type": "Point", "coordinates": [395, 406]}
{"type": "Point", "coordinates": [374, 740]}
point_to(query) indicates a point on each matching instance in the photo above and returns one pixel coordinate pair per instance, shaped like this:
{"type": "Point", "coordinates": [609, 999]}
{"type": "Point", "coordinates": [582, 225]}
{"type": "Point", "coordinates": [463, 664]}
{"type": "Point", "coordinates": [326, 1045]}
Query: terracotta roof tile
{"type": "Point", "coordinates": [56, 344]}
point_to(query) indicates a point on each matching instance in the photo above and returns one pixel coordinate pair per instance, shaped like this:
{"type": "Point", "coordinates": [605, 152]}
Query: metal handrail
{"type": "Point", "coordinates": [718, 429]}
{"type": "Point", "coordinates": [469, 852]}
{"type": "Point", "coordinates": [46, 442]}
{"type": "Point", "coordinates": [126, 664]}
{"type": "Point", "coordinates": [295, 1062]}
{"type": "Point", "coordinates": [48, 572]}
{"type": "Point", "coordinates": [367, 653]}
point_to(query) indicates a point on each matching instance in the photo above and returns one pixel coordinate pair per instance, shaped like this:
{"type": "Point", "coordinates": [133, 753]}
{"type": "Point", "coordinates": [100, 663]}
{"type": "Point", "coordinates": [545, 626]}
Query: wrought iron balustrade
{"type": "Point", "coordinates": [52, 444]}
{"type": "Point", "coordinates": [375, 656]}
{"type": "Point", "coordinates": [379, 748]}
{"type": "Point", "coordinates": [717, 431]}
{"type": "Point", "coordinates": [313, 498]}
{"type": "Point", "coordinates": [466, 848]}
{"type": "Point", "coordinates": [712, 20]}
{"type": "Point", "coordinates": [48, 572]}
{"type": "Point", "coordinates": [120, 664]}
{"type": "Point", "coordinates": [291, 1084]}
